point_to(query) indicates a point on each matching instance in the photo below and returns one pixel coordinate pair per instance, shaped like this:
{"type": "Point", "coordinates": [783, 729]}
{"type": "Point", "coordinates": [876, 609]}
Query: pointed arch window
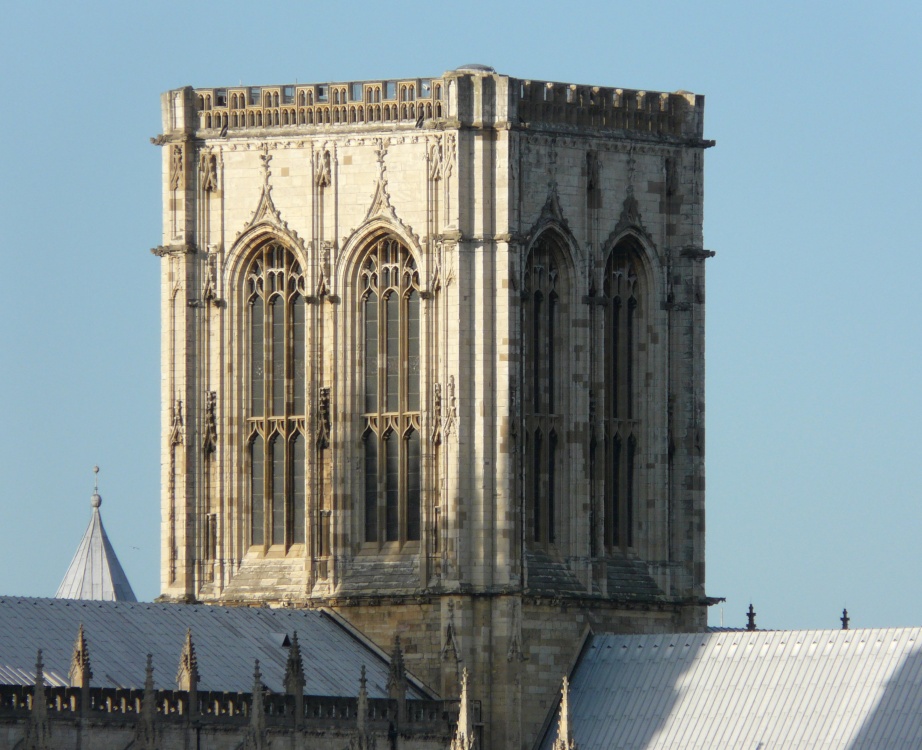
{"type": "Point", "coordinates": [275, 320]}
{"type": "Point", "coordinates": [544, 324]}
{"type": "Point", "coordinates": [390, 330]}
{"type": "Point", "coordinates": [624, 312]}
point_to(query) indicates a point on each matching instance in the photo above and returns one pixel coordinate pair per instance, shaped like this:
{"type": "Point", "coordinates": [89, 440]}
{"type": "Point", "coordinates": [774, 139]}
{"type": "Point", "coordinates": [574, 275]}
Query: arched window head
{"type": "Point", "coordinates": [624, 295]}
{"type": "Point", "coordinates": [389, 311]}
{"type": "Point", "coordinates": [275, 322]}
{"type": "Point", "coordinates": [545, 328]}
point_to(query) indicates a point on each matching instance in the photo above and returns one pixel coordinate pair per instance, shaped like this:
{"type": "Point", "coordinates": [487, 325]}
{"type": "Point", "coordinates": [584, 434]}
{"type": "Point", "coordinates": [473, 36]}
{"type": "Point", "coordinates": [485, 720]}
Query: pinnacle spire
{"type": "Point", "coordinates": [187, 677]}
{"type": "Point", "coordinates": [80, 672]}
{"type": "Point", "coordinates": [294, 669]}
{"type": "Point", "coordinates": [464, 738]}
{"type": "Point", "coordinates": [564, 741]}
{"type": "Point", "coordinates": [146, 730]}
{"type": "Point", "coordinates": [255, 737]}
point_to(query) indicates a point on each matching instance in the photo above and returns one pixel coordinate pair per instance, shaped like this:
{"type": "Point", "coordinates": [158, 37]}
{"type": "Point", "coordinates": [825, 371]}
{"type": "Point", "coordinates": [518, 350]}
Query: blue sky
{"type": "Point", "coordinates": [812, 194]}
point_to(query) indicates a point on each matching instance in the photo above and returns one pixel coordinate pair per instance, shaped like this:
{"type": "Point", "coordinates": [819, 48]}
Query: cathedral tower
{"type": "Point", "coordinates": [433, 356]}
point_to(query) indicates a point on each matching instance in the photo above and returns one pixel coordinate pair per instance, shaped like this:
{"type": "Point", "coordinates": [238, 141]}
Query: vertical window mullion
{"type": "Point", "coordinates": [371, 486]}
{"type": "Point", "coordinates": [414, 493]}
{"type": "Point", "coordinates": [257, 490]}
{"type": "Point", "coordinates": [257, 363]}
{"type": "Point", "coordinates": [277, 473]}
{"type": "Point", "coordinates": [298, 355]}
{"type": "Point", "coordinates": [392, 486]}
{"type": "Point", "coordinates": [277, 323]}
{"type": "Point", "coordinates": [297, 489]}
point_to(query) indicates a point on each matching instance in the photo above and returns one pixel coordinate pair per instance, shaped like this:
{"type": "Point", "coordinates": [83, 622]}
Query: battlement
{"type": "Point", "coordinates": [655, 112]}
{"type": "Point", "coordinates": [124, 704]}
{"type": "Point", "coordinates": [437, 102]}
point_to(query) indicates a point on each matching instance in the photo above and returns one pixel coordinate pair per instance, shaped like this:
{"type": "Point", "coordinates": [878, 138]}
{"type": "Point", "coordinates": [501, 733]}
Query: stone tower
{"type": "Point", "coordinates": [433, 356]}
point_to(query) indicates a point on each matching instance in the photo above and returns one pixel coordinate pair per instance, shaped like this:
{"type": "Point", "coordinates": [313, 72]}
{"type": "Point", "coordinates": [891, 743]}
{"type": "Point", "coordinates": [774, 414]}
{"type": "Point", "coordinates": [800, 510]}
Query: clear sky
{"type": "Point", "coordinates": [812, 203]}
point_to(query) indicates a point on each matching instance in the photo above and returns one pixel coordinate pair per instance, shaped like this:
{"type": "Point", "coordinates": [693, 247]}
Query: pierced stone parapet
{"type": "Point", "coordinates": [320, 104]}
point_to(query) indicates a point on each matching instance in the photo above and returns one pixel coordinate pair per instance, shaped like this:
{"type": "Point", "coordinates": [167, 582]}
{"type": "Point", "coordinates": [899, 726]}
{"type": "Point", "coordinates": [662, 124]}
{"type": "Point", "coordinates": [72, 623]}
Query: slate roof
{"type": "Point", "coordinates": [765, 689]}
{"type": "Point", "coordinates": [95, 572]}
{"type": "Point", "coordinates": [227, 641]}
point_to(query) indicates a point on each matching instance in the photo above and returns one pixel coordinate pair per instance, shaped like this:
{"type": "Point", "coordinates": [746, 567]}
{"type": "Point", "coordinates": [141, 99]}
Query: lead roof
{"type": "Point", "coordinates": [227, 640]}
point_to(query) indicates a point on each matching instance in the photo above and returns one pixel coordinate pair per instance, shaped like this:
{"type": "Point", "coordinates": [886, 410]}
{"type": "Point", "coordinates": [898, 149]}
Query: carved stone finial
{"type": "Point", "coordinates": [187, 676]}
{"type": "Point", "coordinates": [751, 618]}
{"type": "Point", "coordinates": [256, 732]}
{"type": "Point", "coordinates": [397, 680]}
{"type": "Point", "coordinates": [38, 730]}
{"type": "Point", "coordinates": [564, 741]}
{"type": "Point", "coordinates": [176, 170]}
{"type": "Point", "coordinates": [464, 736]}
{"type": "Point", "coordinates": [210, 440]}
{"type": "Point", "coordinates": [146, 730]}
{"type": "Point", "coordinates": [323, 419]}
{"type": "Point", "coordinates": [324, 169]}
{"type": "Point", "coordinates": [294, 669]}
{"type": "Point", "coordinates": [80, 673]}
{"type": "Point", "coordinates": [362, 739]}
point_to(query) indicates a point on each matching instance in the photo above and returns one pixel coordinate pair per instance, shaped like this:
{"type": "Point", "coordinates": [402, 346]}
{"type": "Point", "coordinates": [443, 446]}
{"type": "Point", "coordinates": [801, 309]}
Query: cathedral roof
{"type": "Point", "coordinates": [796, 688]}
{"type": "Point", "coordinates": [95, 572]}
{"type": "Point", "coordinates": [227, 640]}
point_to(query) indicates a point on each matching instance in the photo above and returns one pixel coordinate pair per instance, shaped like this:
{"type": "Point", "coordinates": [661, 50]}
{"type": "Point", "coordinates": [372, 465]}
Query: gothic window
{"type": "Point", "coordinates": [544, 330]}
{"type": "Point", "coordinates": [389, 311]}
{"type": "Point", "coordinates": [276, 384]}
{"type": "Point", "coordinates": [624, 308]}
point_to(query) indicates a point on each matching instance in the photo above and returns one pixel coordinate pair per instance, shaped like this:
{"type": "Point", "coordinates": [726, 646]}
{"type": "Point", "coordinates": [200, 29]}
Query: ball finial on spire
{"type": "Point", "coordinates": [96, 500]}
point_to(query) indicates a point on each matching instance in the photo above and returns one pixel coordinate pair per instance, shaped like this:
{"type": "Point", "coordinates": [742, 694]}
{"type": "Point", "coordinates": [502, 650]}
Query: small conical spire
{"type": "Point", "coordinates": [845, 619]}
{"type": "Point", "coordinates": [80, 673]}
{"type": "Point", "coordinates": [751, 618]}
{"type": "Point", "coordinates": [362, 708]}
{"type": "Point", "coordinates": [397, 680]}
{"type": "Point", "coordinates": [464, 738]}
{"type": "Point", "coordinates": [564, 741]}
{"type": "Point", "coordinates": [256, 730]}
{"type": "Point", "coordinates": [95, 572]}
{"type": "Point", "coordinates": [294, 678]}
{"type": "Point", "coordinates": [361, 738]}
{"type": "Point", "coordinates": [38, 731]}
{"type": "Point", "coordinates": [38, 691]}
{"type": "Point", "coordinates": [187, 677]}
{"type": "Point", "coordinates": [294, 669]}
{"type": "Point", "coordinates": [146, 731]}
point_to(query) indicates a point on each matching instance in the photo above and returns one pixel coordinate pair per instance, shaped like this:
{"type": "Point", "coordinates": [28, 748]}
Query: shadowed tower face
{"type": "Point", "coordinates": [433, 357]}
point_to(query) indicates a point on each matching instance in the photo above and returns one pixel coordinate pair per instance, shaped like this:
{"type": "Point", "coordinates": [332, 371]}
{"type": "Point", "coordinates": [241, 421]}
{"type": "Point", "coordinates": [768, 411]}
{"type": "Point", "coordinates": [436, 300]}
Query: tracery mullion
{"type": "Point", "coordinates": [542, 328]}
{"type": "Point", "coordinates": [621, 362]}
{"type": "Point", "coordinates": [390, 320]}
{"type": "Point", "coordinates": [277, 380]}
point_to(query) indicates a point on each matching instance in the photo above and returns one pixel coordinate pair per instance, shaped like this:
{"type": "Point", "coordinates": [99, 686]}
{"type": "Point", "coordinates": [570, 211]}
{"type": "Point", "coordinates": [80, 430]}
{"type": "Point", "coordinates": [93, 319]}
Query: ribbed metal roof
{"type": "Point", "coordinates": [765, 689]}
{"type": "Point", "coordinates": [227, 641]}
{"type": "Point", "coordinates": [95, 572]}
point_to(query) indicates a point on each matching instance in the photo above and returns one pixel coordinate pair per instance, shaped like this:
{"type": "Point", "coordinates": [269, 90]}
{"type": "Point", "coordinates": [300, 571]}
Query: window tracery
{"type": "Point", "coordinates": [623, 292]}
{"type": "Point", "coordinates": [276, 396]}
{"type": "Point", "coordinates": [390, 334]}
{"type": "Point", "coordinates": [544, 328]}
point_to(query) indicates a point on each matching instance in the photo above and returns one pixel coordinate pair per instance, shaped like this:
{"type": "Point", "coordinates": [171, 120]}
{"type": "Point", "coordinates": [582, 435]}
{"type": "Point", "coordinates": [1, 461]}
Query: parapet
{"type": "Point", "coordinates": [469, 96]}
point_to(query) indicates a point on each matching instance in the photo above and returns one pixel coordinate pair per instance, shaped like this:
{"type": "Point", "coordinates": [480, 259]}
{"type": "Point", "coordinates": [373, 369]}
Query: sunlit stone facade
{"type": "Point", "coordinates": [433, 356]}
